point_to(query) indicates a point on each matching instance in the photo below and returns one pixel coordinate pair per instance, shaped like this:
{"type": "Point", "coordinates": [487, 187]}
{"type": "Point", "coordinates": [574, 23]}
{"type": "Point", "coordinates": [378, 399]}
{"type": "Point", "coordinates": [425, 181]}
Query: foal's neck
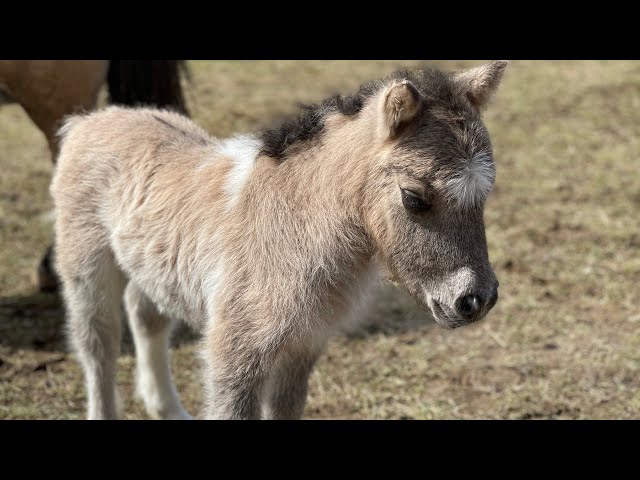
{"type": "Point", "coordinates": [298, 228]}
{"type": "Point", "coordinates": [310, 204]}
{"type": "Point", "coordinates": [327, 175]}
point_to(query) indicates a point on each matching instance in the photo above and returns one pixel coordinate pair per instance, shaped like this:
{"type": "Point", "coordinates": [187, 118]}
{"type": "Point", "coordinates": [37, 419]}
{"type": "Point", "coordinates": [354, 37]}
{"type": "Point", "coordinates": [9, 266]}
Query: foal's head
{"type": "Point", "coordinates": [427, 189]}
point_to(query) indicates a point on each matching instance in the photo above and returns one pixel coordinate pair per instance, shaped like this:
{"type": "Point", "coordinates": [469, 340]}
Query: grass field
{"type": "Point", "coordinates": [563, 227]}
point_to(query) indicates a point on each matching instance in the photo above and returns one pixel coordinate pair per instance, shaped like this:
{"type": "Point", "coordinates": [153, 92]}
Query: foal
{"type": "Point", "coordinates": [266, 243]}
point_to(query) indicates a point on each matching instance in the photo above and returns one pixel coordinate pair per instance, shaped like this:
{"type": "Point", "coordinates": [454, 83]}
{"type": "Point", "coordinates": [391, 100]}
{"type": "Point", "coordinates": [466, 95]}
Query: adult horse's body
{"type": "Point", "coordinates": [266, 243]}
{"type": "Point", "coordinates": [49, 90]}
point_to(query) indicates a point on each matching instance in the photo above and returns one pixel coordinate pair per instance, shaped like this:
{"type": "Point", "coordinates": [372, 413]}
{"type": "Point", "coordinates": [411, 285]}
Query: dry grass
{"type": "Point", "coordinates": [562, 225]}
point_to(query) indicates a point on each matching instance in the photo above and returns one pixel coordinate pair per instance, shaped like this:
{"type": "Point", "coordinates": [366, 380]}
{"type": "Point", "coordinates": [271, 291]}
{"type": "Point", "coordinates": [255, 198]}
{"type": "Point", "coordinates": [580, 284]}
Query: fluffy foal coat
{"type": "Point", "coordinates": [266, 244]}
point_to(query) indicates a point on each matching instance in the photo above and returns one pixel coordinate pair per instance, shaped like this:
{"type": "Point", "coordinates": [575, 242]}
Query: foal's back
{"type": "Point", "coordinates": [143, 188]}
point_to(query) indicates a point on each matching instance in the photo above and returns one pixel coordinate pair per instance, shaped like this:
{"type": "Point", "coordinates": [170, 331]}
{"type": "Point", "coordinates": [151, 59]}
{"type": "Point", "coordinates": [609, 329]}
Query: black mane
{"type": "Point", "coordinates": [310, 122]}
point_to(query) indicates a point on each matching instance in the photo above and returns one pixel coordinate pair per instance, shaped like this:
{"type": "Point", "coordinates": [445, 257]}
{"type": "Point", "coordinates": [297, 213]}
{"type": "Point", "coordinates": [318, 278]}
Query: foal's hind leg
{"type": "Point", "coordinates": [151, 337]}
{"type": "Point", "coordinates": [93, 294]}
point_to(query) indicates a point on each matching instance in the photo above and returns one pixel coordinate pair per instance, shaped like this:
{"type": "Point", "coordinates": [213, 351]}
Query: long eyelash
{"type": "Point", "coordinates": [413, 201]}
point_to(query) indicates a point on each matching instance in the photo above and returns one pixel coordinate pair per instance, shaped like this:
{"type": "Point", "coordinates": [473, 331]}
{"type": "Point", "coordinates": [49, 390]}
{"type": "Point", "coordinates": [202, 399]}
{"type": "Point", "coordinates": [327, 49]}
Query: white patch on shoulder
{"type": "Point", "coordinates": [242, 150]}
{"type": "Point", "coordinates": [474, 182]}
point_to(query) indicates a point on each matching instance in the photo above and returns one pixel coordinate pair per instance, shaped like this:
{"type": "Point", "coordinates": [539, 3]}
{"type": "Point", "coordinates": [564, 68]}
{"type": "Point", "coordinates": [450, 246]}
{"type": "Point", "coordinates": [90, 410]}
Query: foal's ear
{"type": "Point", "coordinates": [480, 83]}
{"type": "Point", "coordinates": [399, 105]}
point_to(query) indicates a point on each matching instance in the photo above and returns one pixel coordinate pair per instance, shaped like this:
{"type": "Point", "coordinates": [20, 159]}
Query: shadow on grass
{"type": "Point", "coordinates": [35, 321]}
{"type": "Point", "coordinates": [391, 311]}
{"type": "Point", "coordinates": [32, 321]}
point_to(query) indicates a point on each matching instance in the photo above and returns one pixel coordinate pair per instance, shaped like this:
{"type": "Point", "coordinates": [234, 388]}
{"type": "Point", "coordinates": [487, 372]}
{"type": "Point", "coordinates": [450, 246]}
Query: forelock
{"type": "Point", "coordinates": [472, 182]}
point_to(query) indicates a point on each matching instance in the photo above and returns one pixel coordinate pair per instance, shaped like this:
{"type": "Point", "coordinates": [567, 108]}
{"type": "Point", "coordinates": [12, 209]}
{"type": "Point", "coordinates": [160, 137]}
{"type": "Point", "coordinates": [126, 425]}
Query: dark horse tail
{"type": "Point", "coordinates": [147, 82]}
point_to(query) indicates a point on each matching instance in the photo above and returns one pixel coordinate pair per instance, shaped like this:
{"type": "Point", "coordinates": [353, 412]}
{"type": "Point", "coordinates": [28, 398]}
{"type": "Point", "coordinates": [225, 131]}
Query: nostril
{"type": "Point", "coordinates": [469, 305]}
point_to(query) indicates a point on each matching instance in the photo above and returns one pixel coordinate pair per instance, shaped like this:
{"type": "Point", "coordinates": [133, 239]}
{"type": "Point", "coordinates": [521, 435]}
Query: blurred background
{"type": "Point", "coordinates": [563, 228]}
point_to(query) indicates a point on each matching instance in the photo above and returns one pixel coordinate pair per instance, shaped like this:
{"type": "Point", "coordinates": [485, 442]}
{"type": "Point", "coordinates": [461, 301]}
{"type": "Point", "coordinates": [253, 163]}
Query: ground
{"type": "Point", "coordinates": [563, 233]}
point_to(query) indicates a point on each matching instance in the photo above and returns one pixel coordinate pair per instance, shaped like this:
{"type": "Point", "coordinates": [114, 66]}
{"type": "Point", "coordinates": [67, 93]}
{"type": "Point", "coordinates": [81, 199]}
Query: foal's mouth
{"type": "Point", "coordinates": [442, 318]}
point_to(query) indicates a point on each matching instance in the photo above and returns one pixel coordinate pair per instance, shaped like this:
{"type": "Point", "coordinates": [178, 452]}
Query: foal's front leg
{"type": "Point", "coordinates": [286, 389]}
{"type": "Point", "coordinates": [234, 375]}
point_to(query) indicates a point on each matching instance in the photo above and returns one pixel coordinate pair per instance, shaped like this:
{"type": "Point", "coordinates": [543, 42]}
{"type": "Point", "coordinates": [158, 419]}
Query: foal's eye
{"type": "Point", "coordinates": [413, 202]}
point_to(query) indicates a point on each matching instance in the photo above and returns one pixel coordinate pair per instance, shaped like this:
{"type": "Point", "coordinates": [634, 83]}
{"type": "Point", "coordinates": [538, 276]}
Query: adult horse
{"type": "Point", "coordinates": [49, 90]}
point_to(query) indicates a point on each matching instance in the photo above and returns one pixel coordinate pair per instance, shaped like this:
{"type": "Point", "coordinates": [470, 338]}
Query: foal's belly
{"type": "Point", "coordinates": [175, 292]}
{"type": "Point", "coordinates": [169, 256]}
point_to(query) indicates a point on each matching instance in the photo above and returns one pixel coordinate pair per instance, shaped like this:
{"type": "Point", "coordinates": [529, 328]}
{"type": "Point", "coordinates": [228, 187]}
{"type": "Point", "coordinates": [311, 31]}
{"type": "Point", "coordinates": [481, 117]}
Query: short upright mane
{"type": "Point", "coordinates": [310, 122]}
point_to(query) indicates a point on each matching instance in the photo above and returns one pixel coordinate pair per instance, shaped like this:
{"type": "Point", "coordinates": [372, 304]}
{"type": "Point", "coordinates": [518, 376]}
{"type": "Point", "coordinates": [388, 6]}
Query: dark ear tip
{"type": "Point", "coordinates": [411, 88]}
{"type": "Point", "coordinates": [500, 64]}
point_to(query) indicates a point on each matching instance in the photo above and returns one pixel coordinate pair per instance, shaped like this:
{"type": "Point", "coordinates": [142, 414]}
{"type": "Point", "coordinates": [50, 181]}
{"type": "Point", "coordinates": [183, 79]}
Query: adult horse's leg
{"type": "Point", "coordinates": [45, 276]}
{"type": "Point", "coordinates": [151, 331]}
{"type": "Point", "coordinates": [48, 90]}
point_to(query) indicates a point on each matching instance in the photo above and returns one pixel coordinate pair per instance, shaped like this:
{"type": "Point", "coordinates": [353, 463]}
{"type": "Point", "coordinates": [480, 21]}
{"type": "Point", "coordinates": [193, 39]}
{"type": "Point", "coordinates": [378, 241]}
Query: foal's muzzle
{"type": "Point", "coordinates": [473, 307]}
{"type": "Point", "coordinates": [466, 309]}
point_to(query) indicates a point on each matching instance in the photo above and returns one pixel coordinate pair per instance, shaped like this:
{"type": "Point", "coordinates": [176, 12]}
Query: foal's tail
{"type": "Point", "coordinates": [148, 82]}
